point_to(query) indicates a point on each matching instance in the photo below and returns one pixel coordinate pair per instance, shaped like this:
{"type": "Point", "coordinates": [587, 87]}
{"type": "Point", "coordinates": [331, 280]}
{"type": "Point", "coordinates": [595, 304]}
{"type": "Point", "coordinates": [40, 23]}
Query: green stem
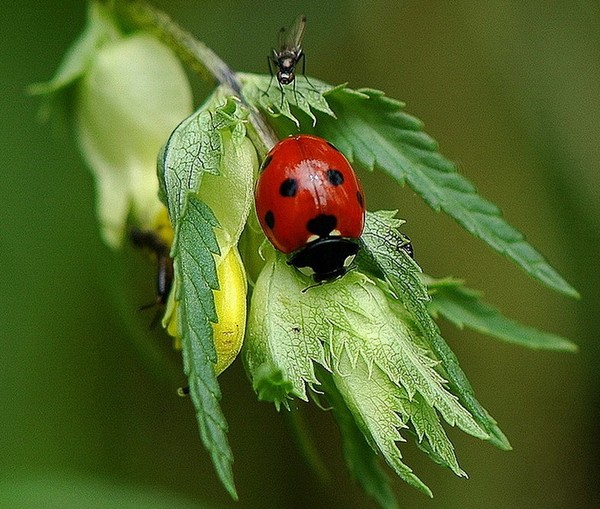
{"type": "Point", "coordinates": [199, 57]}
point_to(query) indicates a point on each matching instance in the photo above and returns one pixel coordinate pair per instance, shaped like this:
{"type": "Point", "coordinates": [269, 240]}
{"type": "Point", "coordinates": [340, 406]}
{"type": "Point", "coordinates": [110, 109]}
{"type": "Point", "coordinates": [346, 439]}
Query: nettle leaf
{"type": "Point", "coordinates": [307, 97]}
{"type": "Point", "coordinates": [387, 379]}
{"type": "Point", "coordinates": [383, 245]}
{"type": "Point", "coordinates": [376, 405]}
{"type": "Point", "coordinates": [283, 339]}
{"type": "Point", "coordinates": [365, 326]}
{"type": "Point", "coordinates": [374, 131]}
{"type": "Point", "coordinates": [431, 436]}
{"type": "Point", "coordinates": [205, 172]}
{"type": "Point", "coordinates": [193, 252]}
{"type": "Point", "coordinates": [195, 148]}
{"type": "Point", "coordinates": [464, 308]}
{"type": "Point", "coordinates": [371, 337]}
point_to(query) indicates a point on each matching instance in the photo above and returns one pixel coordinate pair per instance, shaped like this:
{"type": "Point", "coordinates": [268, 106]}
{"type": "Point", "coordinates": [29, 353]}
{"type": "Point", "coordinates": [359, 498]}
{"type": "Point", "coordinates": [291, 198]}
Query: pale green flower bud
{"type": "Point", "coordinates": [133, 94]}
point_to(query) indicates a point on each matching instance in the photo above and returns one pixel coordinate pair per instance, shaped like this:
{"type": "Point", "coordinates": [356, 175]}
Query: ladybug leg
{"type": "Point", "coordinates": [320, 283]}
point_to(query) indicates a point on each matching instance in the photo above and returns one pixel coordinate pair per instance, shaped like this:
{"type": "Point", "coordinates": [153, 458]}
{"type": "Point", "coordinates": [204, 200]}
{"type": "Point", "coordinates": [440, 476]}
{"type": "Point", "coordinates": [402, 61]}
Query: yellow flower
{"type": "Point", "coordinates": [230, 304]}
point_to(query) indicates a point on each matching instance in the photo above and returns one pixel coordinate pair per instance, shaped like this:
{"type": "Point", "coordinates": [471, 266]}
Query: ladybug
{"type": "Point", "coordinates": [311, 205]}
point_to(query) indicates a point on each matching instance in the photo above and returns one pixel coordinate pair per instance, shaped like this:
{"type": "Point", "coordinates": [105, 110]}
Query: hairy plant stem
{"type": "Point", "coordinates": [199, 57]}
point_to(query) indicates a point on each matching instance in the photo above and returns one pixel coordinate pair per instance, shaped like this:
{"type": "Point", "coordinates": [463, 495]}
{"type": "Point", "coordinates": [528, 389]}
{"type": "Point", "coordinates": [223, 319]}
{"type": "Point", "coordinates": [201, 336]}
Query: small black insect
{"type": "Point", "coordinates": [149, 239]}
{"type": "Point", "coordinates": [288, 55]}
{"type": "Point", "coordinates": [290, 52]}
{"type": "Point", "coordinates": [407, 246]}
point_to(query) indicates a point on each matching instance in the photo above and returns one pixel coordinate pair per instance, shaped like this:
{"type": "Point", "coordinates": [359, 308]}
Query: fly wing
{"type": "Point", "coordinates": [291, 38]}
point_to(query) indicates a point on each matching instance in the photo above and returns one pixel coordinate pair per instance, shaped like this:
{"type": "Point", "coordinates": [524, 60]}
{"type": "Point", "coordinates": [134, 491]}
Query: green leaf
{"type": "Point", "coordinates": [304, 96]}
{"type": "Point", "coordinates": [383, 243]}
{"type": "Point", "coordinates": [431, 436]}
{"type": "Point", "coordinates": [376, 405]}
{"type": "Point", "coordinates": [464, 307]}
{"type": "Point", "coordinates": [206, 174]}
{"type": "Point", "coordinates": [365, 326]}
{"type": "Point", "coordinates": [360, 458]}
{"type": "Point", "coordinates": [194, 248]}
{"type": "Point", "coordinates": [195, 148]}
{"type": "Point", "coordinates": [376, 352]}
{"type": "Point", "coordinates": [384, 373]}
{"type": "Point", "coordinates": [281, 342]}
{"type": "Point", "coordinates": [374, 131]}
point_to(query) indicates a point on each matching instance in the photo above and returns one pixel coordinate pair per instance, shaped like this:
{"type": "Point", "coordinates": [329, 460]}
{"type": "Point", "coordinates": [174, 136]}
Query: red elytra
{"type": "Point", "coordinates": [311, 205]}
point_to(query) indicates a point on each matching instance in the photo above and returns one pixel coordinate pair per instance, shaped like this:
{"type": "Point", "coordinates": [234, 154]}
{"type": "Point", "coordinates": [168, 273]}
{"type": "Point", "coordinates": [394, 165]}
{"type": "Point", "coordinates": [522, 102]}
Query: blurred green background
{"type": "Point", "coordinates": [511, 90]}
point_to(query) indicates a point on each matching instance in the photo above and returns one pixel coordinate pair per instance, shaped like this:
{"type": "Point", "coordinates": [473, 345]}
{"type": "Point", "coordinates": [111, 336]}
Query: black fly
{"type": "Point", "coordinates": [290, 51]}
{"type": "Point", "coordinates": [288, 55]}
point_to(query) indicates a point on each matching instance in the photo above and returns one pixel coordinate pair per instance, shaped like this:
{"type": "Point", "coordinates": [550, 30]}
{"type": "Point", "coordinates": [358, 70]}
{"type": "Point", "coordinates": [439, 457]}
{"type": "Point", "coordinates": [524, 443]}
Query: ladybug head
{"type": "Point", "coordinates": [326, 258]}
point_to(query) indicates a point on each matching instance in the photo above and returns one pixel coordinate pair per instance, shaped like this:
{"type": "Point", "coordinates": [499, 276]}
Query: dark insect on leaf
{"type": "Point", "coordinates": [287, 56]}
{"type": "Point", "coordinates": [289, 53]}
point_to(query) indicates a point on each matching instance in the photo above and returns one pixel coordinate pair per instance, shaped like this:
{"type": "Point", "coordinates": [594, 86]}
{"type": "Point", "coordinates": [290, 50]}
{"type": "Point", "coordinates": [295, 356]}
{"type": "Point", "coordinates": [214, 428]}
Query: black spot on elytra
{"type": "Point", "coordinates": [322, 225]}
{"type": "Point", "coordinates": [360, 199]}
{"type": "Point", "coordinates": [288, 188]}
{"type": "Point", "coordinates": [266, 163]}
{"type": "Point", "coordinates": [335, 177]}
{"type": "Point", "coordinates": [270, 219]}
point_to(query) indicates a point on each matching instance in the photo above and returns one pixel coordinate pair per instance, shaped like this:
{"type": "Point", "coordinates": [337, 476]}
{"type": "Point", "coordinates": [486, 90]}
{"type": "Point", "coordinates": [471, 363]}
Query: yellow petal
{"type": "Point", "coordinates": [230, 302]}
